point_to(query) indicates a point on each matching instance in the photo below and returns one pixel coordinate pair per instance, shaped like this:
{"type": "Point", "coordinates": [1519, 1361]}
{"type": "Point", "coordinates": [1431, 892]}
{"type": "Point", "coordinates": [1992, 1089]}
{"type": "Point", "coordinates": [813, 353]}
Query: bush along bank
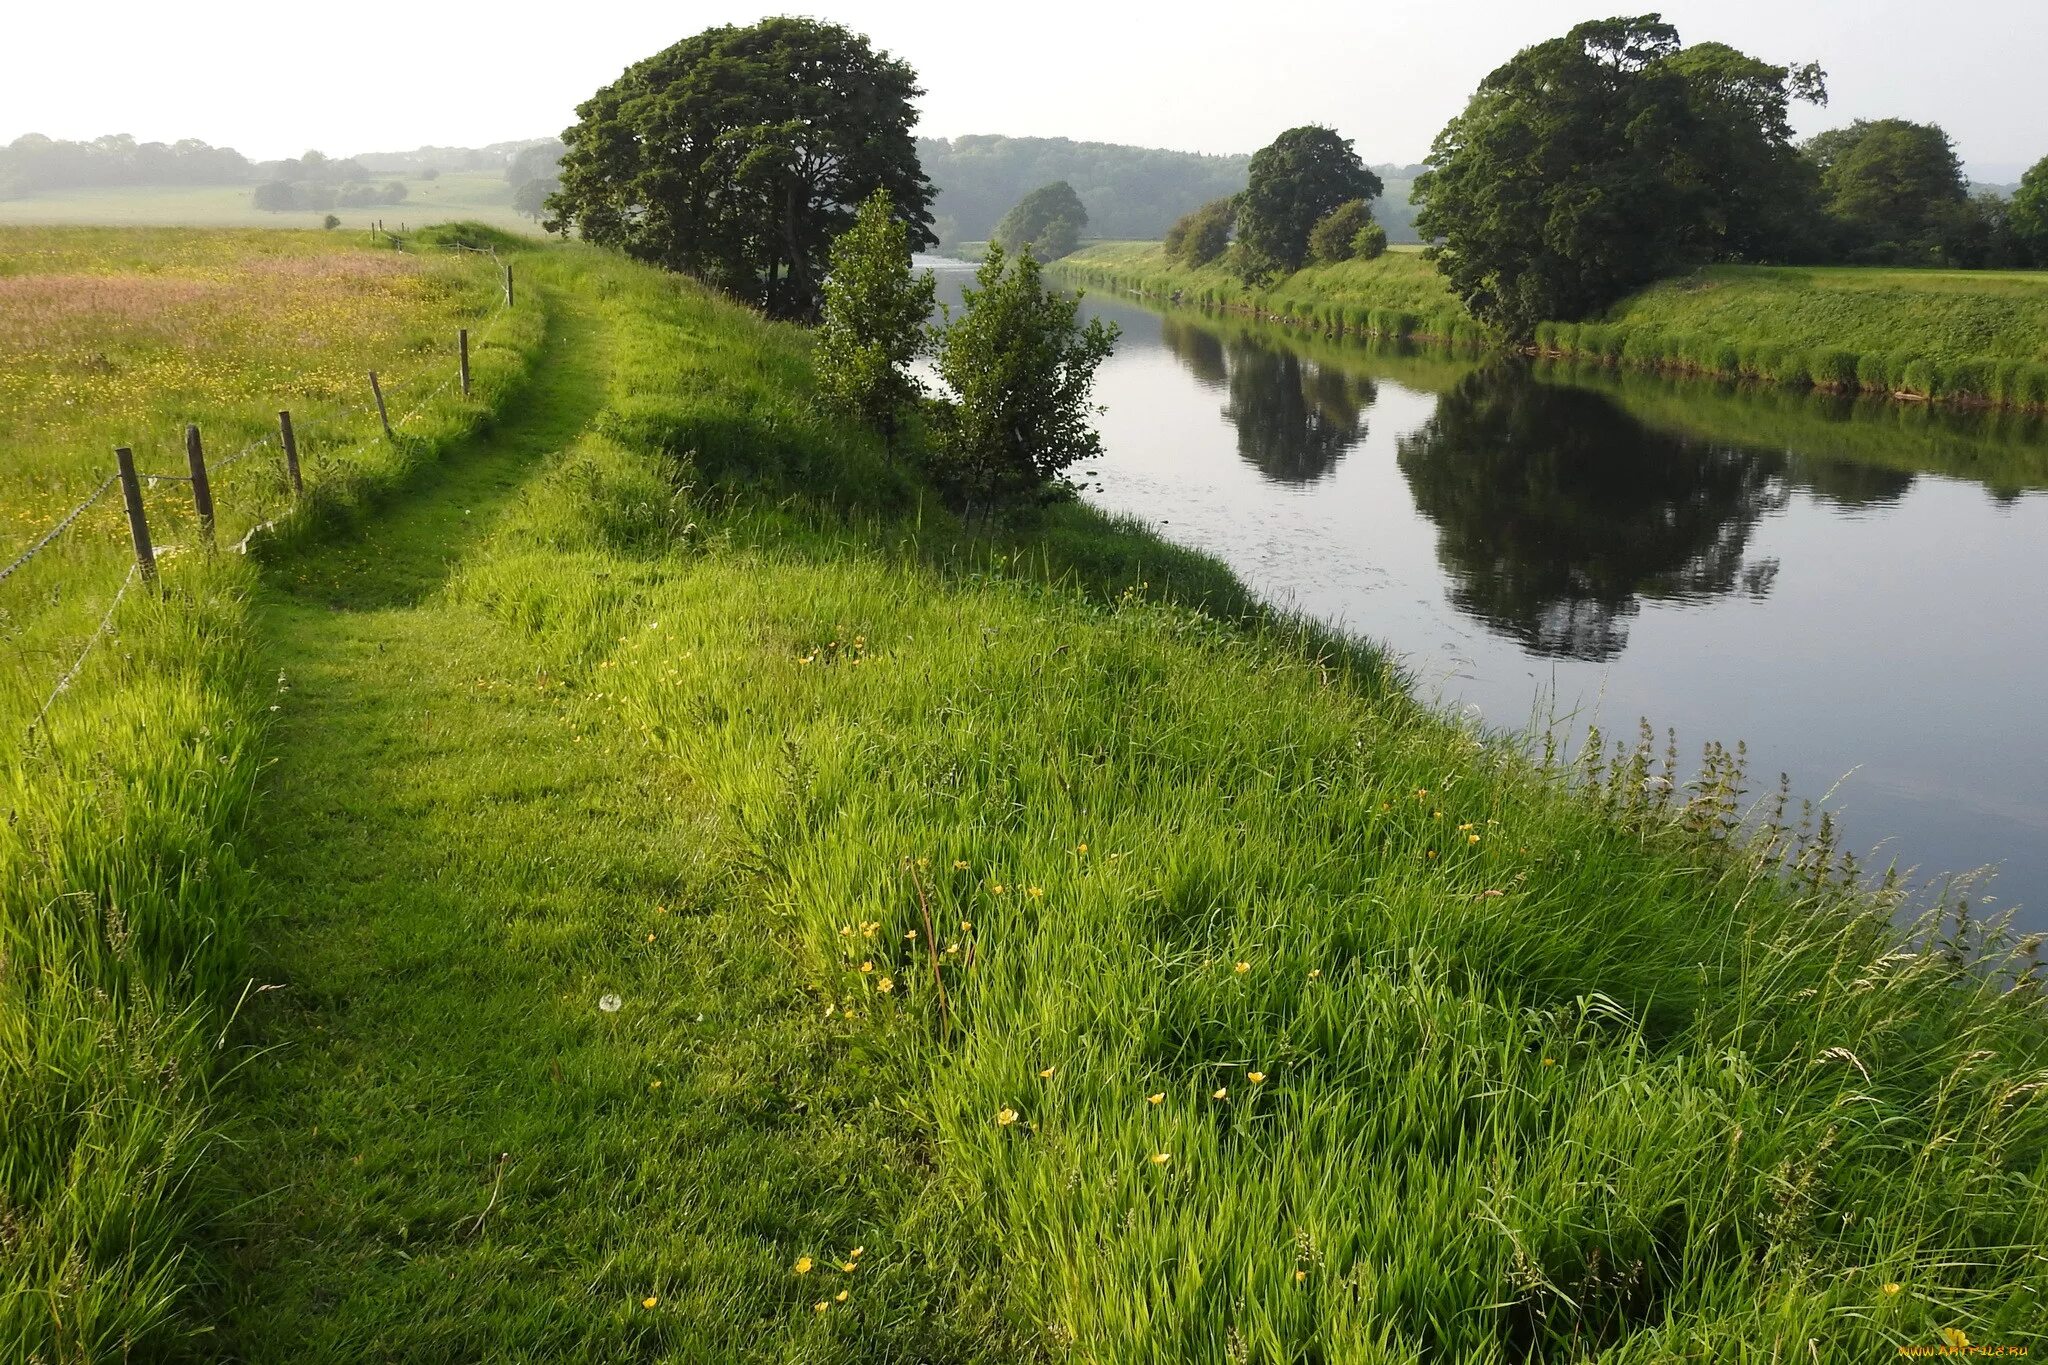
{"type": "Point", "coordinates": [1391, 302]}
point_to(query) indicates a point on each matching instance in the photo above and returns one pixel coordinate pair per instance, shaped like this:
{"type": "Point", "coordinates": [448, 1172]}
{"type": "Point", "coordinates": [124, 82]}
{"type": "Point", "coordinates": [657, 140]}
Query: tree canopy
{"type": "Point", "coordinates": [1046, 222]}
{"type": "Point", "coordinates": [1589, 165]}
{"type": "Point", "coordinates": [1895, 189]}
{"type": "Point", "coordinates": [873, 326]}
{"type": "Point", "coordinates": [1335, 238]}
{"type": "Point", "coordinates": [1021, 367]}
{"type": "Point", "coordinates": [1295, 181]}
{"type": "Point", "coordinates": [739, 154]}
{"type": "Point", "coordinates": [2027, 217]}
{"type": "Point", "coordinates": [1199, 237]}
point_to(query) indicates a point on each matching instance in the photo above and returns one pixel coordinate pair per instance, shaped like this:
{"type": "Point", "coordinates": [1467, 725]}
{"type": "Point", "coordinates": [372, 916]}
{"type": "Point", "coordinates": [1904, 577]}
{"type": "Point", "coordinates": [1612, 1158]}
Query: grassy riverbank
{"type": "Point", "coordinates": [1973, 337]}
{"type": "Point", "coordinates": [1014, 959]}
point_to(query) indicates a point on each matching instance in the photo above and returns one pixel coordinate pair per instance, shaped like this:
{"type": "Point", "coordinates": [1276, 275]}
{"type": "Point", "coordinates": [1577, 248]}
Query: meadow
{"type": "Point", "coordinates": [132, 716]}
{"type": "Point", "coordinates": [1968, 337]}
{"type": "Point", "coordinates": [720, 908]}
{"type": "Point", "coordinates": [472, 196]}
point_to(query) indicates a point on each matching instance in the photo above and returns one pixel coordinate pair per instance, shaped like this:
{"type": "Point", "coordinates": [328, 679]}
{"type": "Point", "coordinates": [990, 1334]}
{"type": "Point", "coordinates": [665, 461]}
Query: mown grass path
{"type": "Point", "coordinates": [447, 1149]}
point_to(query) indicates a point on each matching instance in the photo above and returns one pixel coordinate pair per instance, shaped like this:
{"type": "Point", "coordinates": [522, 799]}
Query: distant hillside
{"type": "Point", "coordinates": [1130, 192]}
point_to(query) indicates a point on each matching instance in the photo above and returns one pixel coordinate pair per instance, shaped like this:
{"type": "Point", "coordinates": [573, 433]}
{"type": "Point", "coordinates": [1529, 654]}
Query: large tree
{"type": "Point", "coordinates": [1590, 165]}
{"type": "Point", "coordinates": [1046, 222]}
{"type": "Point", "coordinates": [1296, 181]}
{"type": "Point", "coordinates": [739, 154]}
{"type": "Point", "coordinates": [1894, 188]}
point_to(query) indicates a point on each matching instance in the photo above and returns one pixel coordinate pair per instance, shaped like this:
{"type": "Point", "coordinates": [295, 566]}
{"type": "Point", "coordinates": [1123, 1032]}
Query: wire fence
{"type": "Point", "coordinates": [283, 446]}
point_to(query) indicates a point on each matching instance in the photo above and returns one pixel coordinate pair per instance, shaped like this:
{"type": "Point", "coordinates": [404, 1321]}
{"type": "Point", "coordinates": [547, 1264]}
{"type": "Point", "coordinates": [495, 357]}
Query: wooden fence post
{"type": "Point", "coordinates": [202, 492]}
{"type": "Point", "coordinates": [382, 415]}
{"type": "Point", "coordinates": [291, 450]}
{"type": "Point", "coordinates": [462, 347]}
{"type": "Point", "coordinates": [508, 284]}
{"type": "Point", "coordinates": [138, 522]}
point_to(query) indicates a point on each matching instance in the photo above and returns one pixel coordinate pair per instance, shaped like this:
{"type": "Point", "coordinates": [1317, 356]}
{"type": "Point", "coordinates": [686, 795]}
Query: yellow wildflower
{"type": "Point", "coordinates": [959, 864]}
{"type": "Point", "coordinates": [1161, 1158]}
{"type": "Point", "coordinates": [650, 1301]}
{"type": "Point", "coordinates": [885, 985]}
{"type": "Point", "coordinates": [1314, 972]}
{"type": "Point", "coordinates": [1046, 1074]}
{"type": "Point", "coordinates": [1255, 1077]}
{"type": "Point", "coordinates": [867, 966]}
{"type": "Point", "coordinates": [1005, 1117]}
{"type": "Point", "coordinates": [818, 1307]}
{"type": "Point", "coordinates": [1300, 1275]}
{"type": "Point", "coordinates": [840, 1297]}
{"type": "Point", "coordinates": [1222, 1093]}
{"type": "Point", "coordinates": [1156, 1099]}
{"type": "Point", "coordinates": [803, 1265]}
{"type": "Point", "coordinates": [1891, 1287]}
{"type": "Point", "coordinates": [1243, 967]}
{"type": "Point", "coordinates": [1035, 892]}
{"type": "Point", "coordinates": [849, 1266]}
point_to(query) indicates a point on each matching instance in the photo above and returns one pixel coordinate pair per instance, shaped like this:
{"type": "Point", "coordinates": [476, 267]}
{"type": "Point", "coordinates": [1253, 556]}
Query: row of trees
{"type": "Point", "coordinates": [1588, 166]}
{"type": "Point", "coordinates": [288, 196]}
{"type": "Point", "coordinates": [34, 162]}
{"type": "Point", "coordinates": [1308, 198]}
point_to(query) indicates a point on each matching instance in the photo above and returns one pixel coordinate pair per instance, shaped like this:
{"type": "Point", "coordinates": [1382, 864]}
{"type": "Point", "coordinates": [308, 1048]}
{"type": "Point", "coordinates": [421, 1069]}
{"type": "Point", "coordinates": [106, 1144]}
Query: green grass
{"type": "Point", "coordinates": [1968, 337]}
{"type": "Point", "coordinates": [125, 885]}
{"type": "Point", "coordinates": [1398, 295]}
{"type": "Point", "coordinates": [472, 196]}
{"type": "Point", "coordinates": [1547, 1066]}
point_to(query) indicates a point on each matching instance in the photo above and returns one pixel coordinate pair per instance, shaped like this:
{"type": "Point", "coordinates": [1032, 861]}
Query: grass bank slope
{"type": "Point", "coordinates": [1398, 295]}
{"type": "Point", "coordinates": [1239, 1007]}
{"type": "Point", "coordinates": [125, 883]}
{"type": "Point", "coordinates": [1974, 337]}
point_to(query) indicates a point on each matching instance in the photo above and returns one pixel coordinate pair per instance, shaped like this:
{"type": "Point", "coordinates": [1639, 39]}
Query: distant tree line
{"type": "Point", "coordinates": [34, 162]}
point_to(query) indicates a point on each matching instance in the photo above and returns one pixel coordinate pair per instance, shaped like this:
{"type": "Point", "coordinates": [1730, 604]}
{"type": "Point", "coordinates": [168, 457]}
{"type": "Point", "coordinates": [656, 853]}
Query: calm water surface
{"type": "Point", "coordinates": [1858, 592]}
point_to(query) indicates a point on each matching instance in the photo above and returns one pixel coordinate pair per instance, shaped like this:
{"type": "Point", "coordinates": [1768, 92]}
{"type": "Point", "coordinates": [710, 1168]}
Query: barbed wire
{"type": "Point", "coordinates": [59, 529]}
{"type": "Point", "coordinates": [70, 674]}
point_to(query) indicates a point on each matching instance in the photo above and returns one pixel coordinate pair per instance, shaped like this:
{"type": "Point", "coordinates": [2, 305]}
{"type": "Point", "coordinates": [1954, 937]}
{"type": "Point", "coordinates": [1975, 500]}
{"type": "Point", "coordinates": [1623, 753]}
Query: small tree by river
{"type": "Point", "coordinates": [873, 325]}
{"type": "Point", "coordinates": [1021, 367]}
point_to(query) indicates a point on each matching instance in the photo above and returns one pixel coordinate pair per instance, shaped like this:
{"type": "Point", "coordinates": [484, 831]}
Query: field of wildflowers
{"type": "Point", "coordinates": [117, 336]}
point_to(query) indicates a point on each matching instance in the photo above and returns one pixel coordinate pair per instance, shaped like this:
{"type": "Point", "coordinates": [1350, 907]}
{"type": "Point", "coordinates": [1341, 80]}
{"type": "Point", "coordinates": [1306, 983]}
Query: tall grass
{"type": "Point", "coordinates": [1961, 337]}
{"type": "Point", "coordinates": [1257, 1011]}
{"type": "Point", "coordinates": [124, 891]}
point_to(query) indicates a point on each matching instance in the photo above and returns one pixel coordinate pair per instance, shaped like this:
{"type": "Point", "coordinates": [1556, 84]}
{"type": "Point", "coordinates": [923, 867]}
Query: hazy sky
{"type": "Point", "coordinates": [273, 79]}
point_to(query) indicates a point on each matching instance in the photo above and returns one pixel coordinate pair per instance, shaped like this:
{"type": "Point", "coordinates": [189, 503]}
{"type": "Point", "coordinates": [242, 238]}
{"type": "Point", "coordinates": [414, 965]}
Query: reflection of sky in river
{"type": "Point", "coordinates": [1880, 635]}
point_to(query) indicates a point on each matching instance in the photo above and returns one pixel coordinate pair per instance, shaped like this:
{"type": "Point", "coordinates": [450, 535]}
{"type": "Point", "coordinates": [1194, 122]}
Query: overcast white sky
{"type": "Point", "coordinates": [276, 77]}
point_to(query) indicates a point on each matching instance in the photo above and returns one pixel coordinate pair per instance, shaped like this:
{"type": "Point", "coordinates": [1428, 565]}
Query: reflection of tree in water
{"type": "Point", "coordinates": [1294, 418]}
{"type": "Point", "coordinates": [1847, 483]}
{"type": "Point", "coordinates": [1557, 512]}
{"type": "Point", "coordinates": [1198, 348]}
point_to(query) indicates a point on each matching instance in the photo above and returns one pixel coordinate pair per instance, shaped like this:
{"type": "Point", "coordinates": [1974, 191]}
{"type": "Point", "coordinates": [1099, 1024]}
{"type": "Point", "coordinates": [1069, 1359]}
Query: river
{"type": "Point", "coordinates": [1857, 591]}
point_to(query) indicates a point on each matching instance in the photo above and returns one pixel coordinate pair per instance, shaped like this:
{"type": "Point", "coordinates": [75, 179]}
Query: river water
{"type": "Point", "coordinates": [1858, 591]}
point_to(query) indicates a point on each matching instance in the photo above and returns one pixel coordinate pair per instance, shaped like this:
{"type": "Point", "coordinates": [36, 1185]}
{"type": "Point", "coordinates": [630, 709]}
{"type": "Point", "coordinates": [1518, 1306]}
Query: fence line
{"type": "Point", "coordinates": [144, 566]}
{"type": "Point", "coordinates": [106, 627]}
{"type": "Point", "coordinates": [59, 529]}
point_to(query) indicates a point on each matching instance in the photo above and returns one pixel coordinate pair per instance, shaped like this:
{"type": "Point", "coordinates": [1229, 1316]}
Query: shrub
{"type": "Point", "coordinates": [1831, 367]}
{"type": "Point", "coordinates": [1969, 378]}
{"type": "Point", "coordinates": [1922, 376]}
{"type": "Point", "coordinates": [1370, 243]}
{"type": "Point", "coordinates": [2031, 386]}
{"type": "Point", "coordinates": [1330, 240]}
